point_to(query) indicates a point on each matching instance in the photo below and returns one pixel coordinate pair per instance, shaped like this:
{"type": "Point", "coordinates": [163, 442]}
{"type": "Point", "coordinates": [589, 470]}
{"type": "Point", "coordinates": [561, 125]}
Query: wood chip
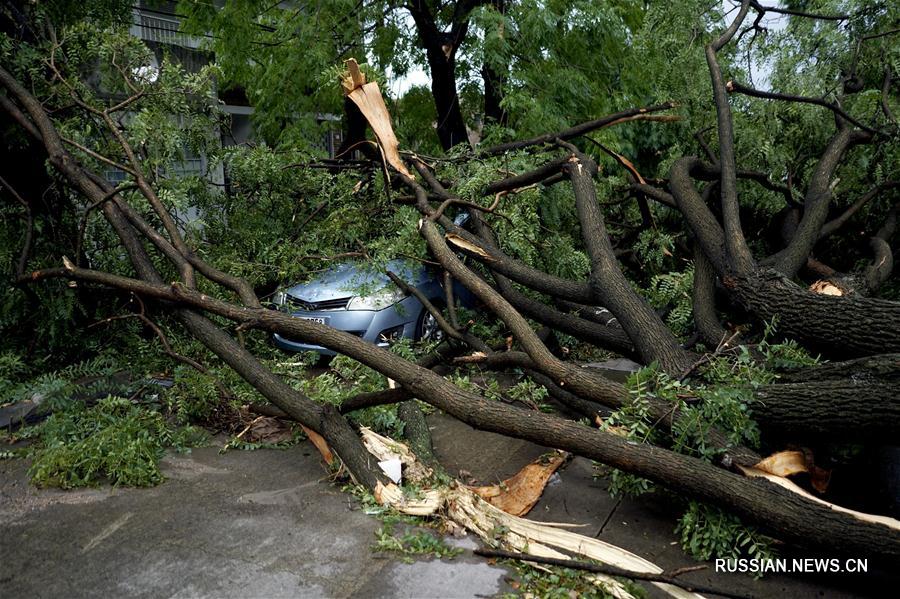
{"type": "Point", "coordinates": [825, 288]}
{"type": "Point", "coordinates": [320, 444]}
{"type": "Point", "coordinates": [463, 244]}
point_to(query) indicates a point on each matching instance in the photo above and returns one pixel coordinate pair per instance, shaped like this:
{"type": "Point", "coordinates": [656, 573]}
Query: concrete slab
{"type": "Point", "coordinates": [465, 576]}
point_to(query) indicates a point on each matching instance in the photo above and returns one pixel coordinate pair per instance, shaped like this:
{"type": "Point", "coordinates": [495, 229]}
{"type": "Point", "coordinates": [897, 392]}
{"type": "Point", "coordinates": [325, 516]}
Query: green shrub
{"type": "Point", "coordinates": [722, 398]}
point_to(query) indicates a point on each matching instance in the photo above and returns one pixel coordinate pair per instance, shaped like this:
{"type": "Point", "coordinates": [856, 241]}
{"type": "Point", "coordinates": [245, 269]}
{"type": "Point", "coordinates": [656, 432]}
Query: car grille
{"type": "Point", "coordinates": [356, 333]}
{"type": "Point", "coordinates": [333, 304]}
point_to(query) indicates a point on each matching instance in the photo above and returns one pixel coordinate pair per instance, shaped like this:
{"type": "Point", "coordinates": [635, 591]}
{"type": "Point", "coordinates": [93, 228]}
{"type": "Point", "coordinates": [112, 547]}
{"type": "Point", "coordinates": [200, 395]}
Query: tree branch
{"type": "Point", "coordinates": [652, 339]}
{"type": "Point", "coordinates": [22, 262]}
{"type": "Point", "coordinates": [839, 221]}
{"type": "Point", "coordinates": [632, 114]}
{"type": "Point", "coordinates": [737, 252]}
{"type": "Point", "coordinates": [737, 88]}
{"type": "Point", "coordinates": [609, 570]}
{"type": "Point", "coordinates": [816, 202]}
{"type": "Point", "coordinates": [797, 13]}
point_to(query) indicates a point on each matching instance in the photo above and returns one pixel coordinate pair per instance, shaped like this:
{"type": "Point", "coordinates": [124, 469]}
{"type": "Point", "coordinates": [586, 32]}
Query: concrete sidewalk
{"type": "Point", "coordinates": [266, 524]}
{"type": "Point", "coordinates": [242, 524]}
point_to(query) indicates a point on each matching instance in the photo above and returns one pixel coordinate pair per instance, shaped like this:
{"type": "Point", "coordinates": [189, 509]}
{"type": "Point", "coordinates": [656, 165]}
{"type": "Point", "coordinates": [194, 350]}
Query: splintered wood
{"type": "Point", "coordinates": [783, 463]}
{"type": "Point", "coordinates": [320, 444]}
{"type": "Point", "coordinates": [368, 98]}
{"type": "Point", "coordinates": [518, 494]}
{"type": "Point", "coordinates": [463, 507]}
{"type": "Point", "coordinates": [795, 488]}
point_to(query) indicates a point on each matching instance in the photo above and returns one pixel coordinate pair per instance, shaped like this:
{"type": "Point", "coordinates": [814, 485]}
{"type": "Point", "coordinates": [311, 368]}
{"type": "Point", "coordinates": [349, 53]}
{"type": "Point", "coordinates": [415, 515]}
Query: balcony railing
{"type": "Point", "coordinates": [164, 30]}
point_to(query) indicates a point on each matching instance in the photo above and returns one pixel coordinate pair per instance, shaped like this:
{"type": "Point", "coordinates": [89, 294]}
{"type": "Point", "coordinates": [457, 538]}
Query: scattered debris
{"type": "Point", "coordinates": [266, 429]}
{"type": "Point", "coordinates": [465, 508]}
{"type": "Point", "coordinates": [15, 412]}
{"type": "Point", "coordinates": [393, 469]}
{"type": "Point", "coordinates": [386, 449]}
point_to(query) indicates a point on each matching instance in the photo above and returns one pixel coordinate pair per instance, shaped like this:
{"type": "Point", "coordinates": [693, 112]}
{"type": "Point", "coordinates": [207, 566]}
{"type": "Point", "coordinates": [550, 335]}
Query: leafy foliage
{"type": "Point", "coordinates": [673, 291]}
{"type": "Point", "coordinates": [561, 583]}
{"type": "Point", "coordinates": [417, 542]}
{"type": "Point", "coordinates": [55, 390]}
{"type": "Point", "coordinates": [114, 440]}
{"type": "Point", "coordinates": [708, 532]}
{"type": "Point", "coordinates": [192, 397]}
{"type": "Point", "coordinates": [724, 402]}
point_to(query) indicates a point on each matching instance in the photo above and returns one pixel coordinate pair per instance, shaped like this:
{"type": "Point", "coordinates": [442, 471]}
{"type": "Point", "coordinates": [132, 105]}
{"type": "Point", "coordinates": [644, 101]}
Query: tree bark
{"type": "Point", "coordinates": [494, 80]}
{"type": "Point", "coordinates": [857, 400]}
{"type": "Point", "coordinates": [848, 409]}
{"type": "Point", "coordinates": [704, 302]}
{"type": "Point", "coordinates": [848, 325]}
{"type": "Point", "coordinates": [416, 432]}
{"type": "Point", "coordinates": [651, 337]}
{"type": "Point", "coordinates": [816, 202]}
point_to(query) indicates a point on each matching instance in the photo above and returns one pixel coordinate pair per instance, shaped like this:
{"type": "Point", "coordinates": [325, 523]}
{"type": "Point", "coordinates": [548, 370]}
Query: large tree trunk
{"type": "Point", "coordinates": [849, 325]}
{"type": "Point", "coordinates": [440, 50]}
{"type": "Point", "coordinates": [493, 95]}
{"type": "Point", "coordinates": [856, 401]}
{"type": "Point", "coordinates": [451, 127]}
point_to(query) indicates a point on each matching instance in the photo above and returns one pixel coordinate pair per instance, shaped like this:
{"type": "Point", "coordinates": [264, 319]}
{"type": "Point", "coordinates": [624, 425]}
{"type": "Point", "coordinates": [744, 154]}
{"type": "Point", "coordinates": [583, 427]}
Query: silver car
{"type": "Point", "coordinates": [357, 299]}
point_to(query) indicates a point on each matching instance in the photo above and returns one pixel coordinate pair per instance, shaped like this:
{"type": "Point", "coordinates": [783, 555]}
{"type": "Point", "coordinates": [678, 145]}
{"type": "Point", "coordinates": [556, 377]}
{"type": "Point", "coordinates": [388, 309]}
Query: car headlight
{"type": "Point", "coordinates": [279, 298]}
{"type": "Point", "coordinates": [378, 300]}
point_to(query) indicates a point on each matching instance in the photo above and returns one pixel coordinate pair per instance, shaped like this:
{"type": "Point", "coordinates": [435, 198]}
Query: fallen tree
{"type": "Point", "coordinates": [854, 399]}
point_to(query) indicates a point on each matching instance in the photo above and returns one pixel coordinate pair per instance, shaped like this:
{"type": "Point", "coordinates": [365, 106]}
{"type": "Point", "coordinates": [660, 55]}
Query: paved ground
{"type": "Point", "coordinates": [264, 524]}
{"type": "Point", "coordinates": [242, 524]}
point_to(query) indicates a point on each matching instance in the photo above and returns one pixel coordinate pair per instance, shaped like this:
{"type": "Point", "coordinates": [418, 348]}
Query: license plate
{"type": "Point", "coordinates": [314, 319]}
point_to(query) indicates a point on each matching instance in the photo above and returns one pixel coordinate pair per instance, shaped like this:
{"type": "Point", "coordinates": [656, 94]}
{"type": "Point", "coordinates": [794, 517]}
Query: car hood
{"type": "Point", "coordinates": [350, 278]}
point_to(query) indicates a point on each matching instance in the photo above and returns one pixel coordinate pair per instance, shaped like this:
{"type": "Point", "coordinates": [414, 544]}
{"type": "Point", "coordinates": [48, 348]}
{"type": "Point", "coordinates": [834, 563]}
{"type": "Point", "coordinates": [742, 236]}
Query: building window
{"type": "Point", "coordinates": [190, 166]}
{"type": "Point", "coordinates": [114, 175]}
